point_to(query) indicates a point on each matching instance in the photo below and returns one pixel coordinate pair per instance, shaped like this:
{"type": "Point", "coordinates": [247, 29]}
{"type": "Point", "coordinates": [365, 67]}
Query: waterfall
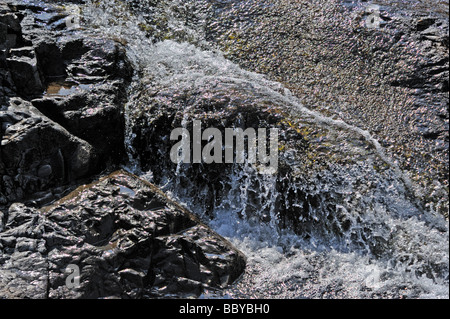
{"type": "Point", "coordinates": [388, 245]}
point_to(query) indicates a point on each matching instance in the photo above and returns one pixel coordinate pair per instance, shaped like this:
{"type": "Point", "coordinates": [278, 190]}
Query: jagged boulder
{"type": "Point", "coordinates": [62, 97]}
{"type": "Point", "coordinates": [127, 238]}
{"type": "Point", "coordinates": [37, 153]}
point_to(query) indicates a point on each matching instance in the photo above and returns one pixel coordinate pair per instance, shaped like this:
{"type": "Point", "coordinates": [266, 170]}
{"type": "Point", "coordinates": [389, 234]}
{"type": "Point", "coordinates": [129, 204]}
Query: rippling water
{"type": "Point", "coordinates": [282, 264]}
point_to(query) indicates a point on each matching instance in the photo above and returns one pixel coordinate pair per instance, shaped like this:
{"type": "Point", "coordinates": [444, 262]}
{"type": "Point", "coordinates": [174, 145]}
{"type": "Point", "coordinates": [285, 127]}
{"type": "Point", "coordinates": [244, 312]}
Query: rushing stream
{"type": "Point", "coordinates": [174, 55]}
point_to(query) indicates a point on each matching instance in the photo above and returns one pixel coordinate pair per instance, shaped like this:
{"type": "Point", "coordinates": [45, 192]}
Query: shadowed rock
{"type": "Point", "coordinates": [37, 153]}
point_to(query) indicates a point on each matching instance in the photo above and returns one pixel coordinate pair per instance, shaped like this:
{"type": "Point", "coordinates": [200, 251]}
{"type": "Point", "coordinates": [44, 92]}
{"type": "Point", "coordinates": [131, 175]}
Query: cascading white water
{"type": "Point", "coordinates": [282, 264]}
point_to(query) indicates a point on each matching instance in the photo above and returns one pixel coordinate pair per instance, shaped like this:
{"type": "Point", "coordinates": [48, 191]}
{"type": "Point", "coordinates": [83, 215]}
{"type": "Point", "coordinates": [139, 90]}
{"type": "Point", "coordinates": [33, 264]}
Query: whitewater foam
{"type": "Point", "coordinates": [281, 264]}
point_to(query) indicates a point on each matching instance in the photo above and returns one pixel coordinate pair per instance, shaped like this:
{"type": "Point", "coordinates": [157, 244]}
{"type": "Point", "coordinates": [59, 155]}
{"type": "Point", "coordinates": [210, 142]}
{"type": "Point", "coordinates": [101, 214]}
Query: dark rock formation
{"type": "Point", "coordinates": [127, 238]}
{"type": "Point", "coordinates": [68, 122]}
{"type": "Point", "coordinates": [88, 100]}
{"type": "Point", "coordinates": [38, 154]}
{"type": "Point", "coordinates": [22, 64]}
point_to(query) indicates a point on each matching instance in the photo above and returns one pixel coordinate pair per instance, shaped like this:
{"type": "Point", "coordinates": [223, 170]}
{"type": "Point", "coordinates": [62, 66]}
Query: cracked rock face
{"type": "Point", "coordinates": [38, 153]}
{"type": "Point", "coordinates": [61, 98]}
{"type": "Point", "coordinates": [127, 238]}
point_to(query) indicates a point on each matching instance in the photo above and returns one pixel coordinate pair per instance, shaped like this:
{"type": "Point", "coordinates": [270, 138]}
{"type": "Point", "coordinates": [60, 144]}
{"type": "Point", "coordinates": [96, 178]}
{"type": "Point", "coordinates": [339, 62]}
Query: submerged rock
{"type": "Point", "coordinates": [390, 78]}
{"type": "Point", "coordinates": [328, 176]}
{"type": "Point", "coordinates": [126, 237]}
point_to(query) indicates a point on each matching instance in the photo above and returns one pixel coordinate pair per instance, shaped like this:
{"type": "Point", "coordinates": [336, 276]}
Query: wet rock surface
{"type": "Point", "coordinates": [363, 148]}
{"type": "Point", "coordinates": [62, 94]}
{"type": "Point", "coordinates": [348, 144]}
{"type": "Point", "coordinates": [39, 154]}
{"type": "Point", "coordinates": [62, 121]}
{"type": "Point", "coordinates": [391, 79]}
{"type": "Point", "coordinates": [321, 167]}
{"type": "Point", "coordinates": [127, 238]}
